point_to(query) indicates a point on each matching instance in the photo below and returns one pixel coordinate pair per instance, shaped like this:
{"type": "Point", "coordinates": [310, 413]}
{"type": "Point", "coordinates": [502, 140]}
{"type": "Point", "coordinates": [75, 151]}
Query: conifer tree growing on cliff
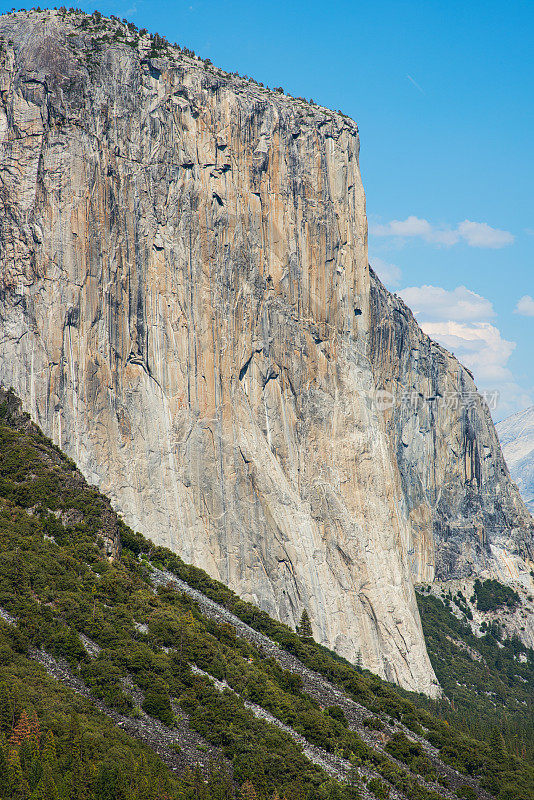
{"type": "Point", "coordinates": [304, 628]}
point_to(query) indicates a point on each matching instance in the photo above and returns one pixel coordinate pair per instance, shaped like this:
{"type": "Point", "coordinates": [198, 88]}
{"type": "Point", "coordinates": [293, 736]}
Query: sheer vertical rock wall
{"type": "Point", "coordinates": [187, 309]}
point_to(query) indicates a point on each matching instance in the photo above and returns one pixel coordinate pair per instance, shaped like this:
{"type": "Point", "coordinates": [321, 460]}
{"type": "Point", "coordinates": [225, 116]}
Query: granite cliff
{"type": "Point", "coordinates": [455, 482]}
{"type": "Point", "coordinates": [188, 311]}
{"type": "Point", "coordinates": [516, 434]}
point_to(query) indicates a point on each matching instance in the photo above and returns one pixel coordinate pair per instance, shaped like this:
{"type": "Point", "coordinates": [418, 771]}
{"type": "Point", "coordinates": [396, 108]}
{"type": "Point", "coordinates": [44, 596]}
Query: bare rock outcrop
{"type": "Point", "coordinates": [516, 435]}
{"type": "Point", "coordinates": [464, 509]}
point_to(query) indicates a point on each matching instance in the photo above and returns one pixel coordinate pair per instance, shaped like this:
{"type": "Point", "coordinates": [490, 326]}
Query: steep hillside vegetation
{"type": "Point", "coordinates": [488, 679]}
{"type": "Point", "coordinates": [189, 673]}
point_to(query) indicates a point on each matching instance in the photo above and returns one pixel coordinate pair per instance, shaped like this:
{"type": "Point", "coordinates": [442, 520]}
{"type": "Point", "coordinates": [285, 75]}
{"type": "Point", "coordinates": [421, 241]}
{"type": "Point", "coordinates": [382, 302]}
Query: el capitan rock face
{"type": "Point", "coordinates": [187, 310]}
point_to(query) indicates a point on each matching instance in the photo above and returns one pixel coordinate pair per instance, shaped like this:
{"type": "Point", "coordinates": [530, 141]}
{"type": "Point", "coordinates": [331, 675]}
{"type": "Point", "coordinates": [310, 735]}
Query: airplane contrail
{"type": "Point", "coordinates": [415, 84]}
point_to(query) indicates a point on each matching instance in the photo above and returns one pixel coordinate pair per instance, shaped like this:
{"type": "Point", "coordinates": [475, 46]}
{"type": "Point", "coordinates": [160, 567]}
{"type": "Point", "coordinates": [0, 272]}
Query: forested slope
{"type": "Point", "coordinates": [125, 673]}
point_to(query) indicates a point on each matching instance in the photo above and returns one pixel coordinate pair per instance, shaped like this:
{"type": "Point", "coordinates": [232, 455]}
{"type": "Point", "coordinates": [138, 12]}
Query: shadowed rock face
{"type": "Point", "coordinates": [455, 482]}
{"type": "Point", "coordinates": [187, 310]}
{"type": "Point", "coordinates": [516, 434]}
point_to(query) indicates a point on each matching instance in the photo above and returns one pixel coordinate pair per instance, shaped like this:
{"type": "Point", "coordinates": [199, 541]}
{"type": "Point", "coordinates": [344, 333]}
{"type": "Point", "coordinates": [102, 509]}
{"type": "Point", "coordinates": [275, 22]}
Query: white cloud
{"type": "Point", "coordinates": [436, 303]}
{"type": "Point", "coordinates": [474, 234]}
{"type": "Point", "coordinates": [415, 227]}
{"type": "Point", "coordinates": [460, 321]}
{"type": "Point", "coordinates": [480, 234]}
{"type": "Point", "coordinates": [525, 306]}
{"type": "Point", "coordinates": [390, 274]}
{"type": "Point", "coordinates": [481, 347]}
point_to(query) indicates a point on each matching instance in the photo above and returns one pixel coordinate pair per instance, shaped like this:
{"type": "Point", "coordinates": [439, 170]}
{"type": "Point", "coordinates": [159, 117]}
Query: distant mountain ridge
{"type": "Point", "coordinates": [517, 439]}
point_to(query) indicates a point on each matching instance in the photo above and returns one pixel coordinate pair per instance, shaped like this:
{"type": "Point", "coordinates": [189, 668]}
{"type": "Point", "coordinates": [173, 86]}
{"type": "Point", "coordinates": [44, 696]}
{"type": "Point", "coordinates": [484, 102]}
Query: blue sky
{"type": "Point", "coordinates": [443, 96]}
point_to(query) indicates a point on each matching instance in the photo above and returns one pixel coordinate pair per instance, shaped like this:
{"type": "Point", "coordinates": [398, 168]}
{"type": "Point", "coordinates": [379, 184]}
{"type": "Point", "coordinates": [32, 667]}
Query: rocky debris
{"type": "Point", "coordinates": [178, 747]}
{"type": "Point", "coordinates": [333, 765]}
{"type": "Point", "coordinates": [141, 627]}
{"type": "Point", "coordinates": [517, 621]}
{"type": "Point", "coordinates": [91, 648]}
{"type": "Point", "coordinates": [321, 690]}
{"type": "Point", "coordinates": [475, 655]}
{"type": "Point", "coordinates": [7, 617]}
{"type": "Point", "coordinates": [163, 740]}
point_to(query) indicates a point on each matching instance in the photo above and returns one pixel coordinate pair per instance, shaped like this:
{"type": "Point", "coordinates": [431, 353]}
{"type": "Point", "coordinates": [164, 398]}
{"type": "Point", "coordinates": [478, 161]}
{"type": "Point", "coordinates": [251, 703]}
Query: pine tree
{"type": "Point", "coordinates": [220, 783]}
{"type": "Point", "coordinates": [198, 782]}
{"type": "Point", "coordinates": [21, 731]}
{"type": "Point", "coordinates": [46, 789]}
{"type": "Point", "coordinates": [187, 778]}
{"type": "Point", "coordinates": [142, 781]}
{"type": "Point", "coordinates": [496, 744]}
{"type": "Point", "coordinates": [49, 755]}
{"type": "Point", "coordinates": [76, 766]}
{"type": "Point", "coordinates": [248, 792]}
{"type": "Point", "coordinates": [75, 740]}
{"type": "Point", "coordinates": [8, 706]}
{"type": "Point", "coordinates": [30, 760]}
{"type": "Point", "coordinates": [108, 784]}
{"type": "Point", "coordinates": [159, 781]}
{"type": "Point", "coordinates": [35, 729]}
{"type": "Point", "coordinates": [304, 628]}
{"type": "Point", "coordinates": [4, 770]}
{"type": "Point", "coordinates": [18, 785]}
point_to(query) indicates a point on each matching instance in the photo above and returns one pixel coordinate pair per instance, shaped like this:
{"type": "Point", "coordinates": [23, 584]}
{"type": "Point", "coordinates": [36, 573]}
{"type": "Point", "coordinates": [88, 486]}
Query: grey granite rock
{"type": "Point", "coordinates": [516, 435]}
{"type": "Point", "coordinates": [466, 513]}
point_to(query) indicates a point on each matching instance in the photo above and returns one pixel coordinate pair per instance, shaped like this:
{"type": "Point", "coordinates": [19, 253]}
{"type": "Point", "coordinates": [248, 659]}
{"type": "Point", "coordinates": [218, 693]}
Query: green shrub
{"type": "Point", "coordinates": [466, 793]}
{"type": "Point", "coordinates": [158, 704]}
{"type": "Point", "coordinates": [379, 789]}
{"type": "Point", "coordinates": [491, 595]}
